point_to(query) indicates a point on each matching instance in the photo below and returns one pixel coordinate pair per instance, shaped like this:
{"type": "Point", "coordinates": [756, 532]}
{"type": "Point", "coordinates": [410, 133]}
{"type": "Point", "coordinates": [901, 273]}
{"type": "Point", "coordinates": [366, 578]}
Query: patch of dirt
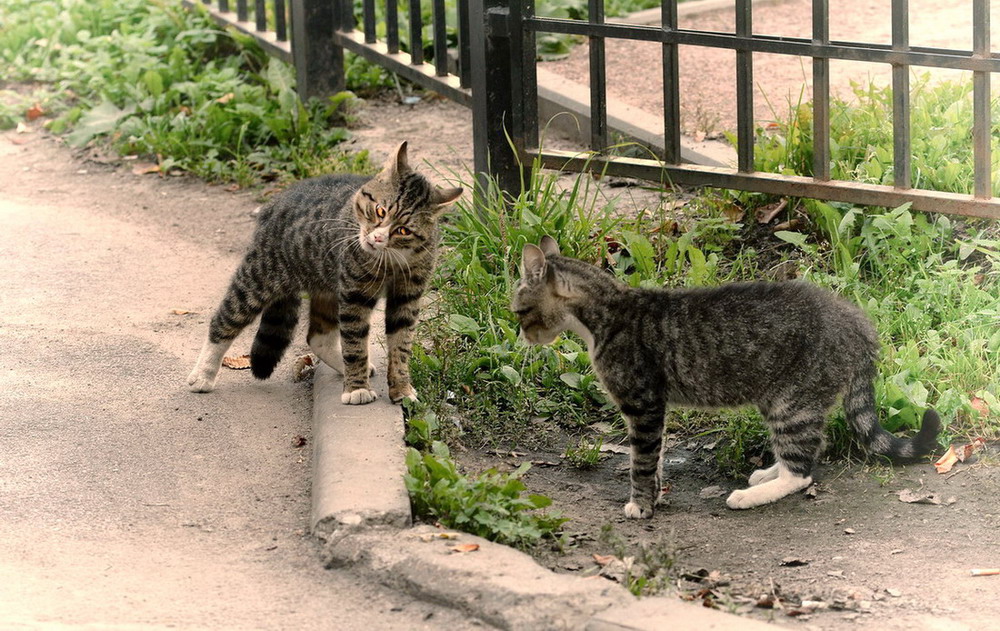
{"type": "Point", "coordinates": [870, 560]}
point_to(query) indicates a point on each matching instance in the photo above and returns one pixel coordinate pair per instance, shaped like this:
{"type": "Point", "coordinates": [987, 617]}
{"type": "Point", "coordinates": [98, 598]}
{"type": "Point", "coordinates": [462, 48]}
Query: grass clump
{"type": "Point", "coordinates": [155, 79]}
{"type": "Point", "coordinates": [490, 506]}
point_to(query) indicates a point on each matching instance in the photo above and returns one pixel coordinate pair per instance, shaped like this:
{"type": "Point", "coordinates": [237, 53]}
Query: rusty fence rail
{"type": "Point", "coordinates": [489, 64]}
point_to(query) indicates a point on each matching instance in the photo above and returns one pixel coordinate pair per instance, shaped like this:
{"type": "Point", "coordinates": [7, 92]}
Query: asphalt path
{"type": "Point", "coordinates": [125, 500]}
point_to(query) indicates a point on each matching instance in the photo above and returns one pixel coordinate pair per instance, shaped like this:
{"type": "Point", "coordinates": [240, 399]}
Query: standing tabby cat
{"type": "Point", "coordinates": [346, 240]}
{"type": "Point", "coordinates": [789, 348]}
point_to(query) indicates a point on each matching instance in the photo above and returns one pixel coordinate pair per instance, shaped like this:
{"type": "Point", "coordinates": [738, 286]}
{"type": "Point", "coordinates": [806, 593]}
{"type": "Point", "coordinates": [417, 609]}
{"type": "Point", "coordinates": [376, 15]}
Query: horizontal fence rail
{"type": "Point", "coordinates": [899, 54]}
{"type": "Point", "coordinates": [486, 57]}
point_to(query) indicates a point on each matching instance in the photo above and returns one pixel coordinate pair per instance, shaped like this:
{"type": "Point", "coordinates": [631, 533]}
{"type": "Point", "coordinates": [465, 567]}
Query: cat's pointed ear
{"type": "Point", "coordinates": [549, 246]}
{"type": "Point", "coordinates": [442, 197]}
{"type": "Point", "coordinates": [397, 163]}
{"type": "Point", "coordinates": [532, 262]}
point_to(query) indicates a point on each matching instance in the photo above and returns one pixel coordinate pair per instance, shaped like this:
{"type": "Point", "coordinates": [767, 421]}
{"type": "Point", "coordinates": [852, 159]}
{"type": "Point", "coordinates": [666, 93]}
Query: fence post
{"type": "Point", "coordinates": [493, 94]}
{"type": "Point", "coordinates": [319, 63]}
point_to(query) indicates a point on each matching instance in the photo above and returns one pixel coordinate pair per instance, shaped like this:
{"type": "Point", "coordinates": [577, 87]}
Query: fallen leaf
{"type": "Point", "coordinates": [545, 463]}
{"type": "Point", "coordinates": [182, 312]}
{"type": "Point", "coordinates": [145, 168]}
{"type": "Point", "coordinates": [23, 129]}
{"type": "Point", "coordinates": [35, 111]}
{"type": "Point", "coordinates": [848, 531]}
{"type": "Point", "coordinates": [947, 461]}
{"type": "Point", "coordinates": [895, 593]}
{"type": "Point", "coordinates": [836, 573]}
{"type": "Point", "coordinates": [604, 559]}
{"type": "Point", "coordinates": [462, 548]}
{"type": "Point", "coordinates": [431, 536]}
{"type": "Point", "coordinates": [299, 441]}
{"type": "Point", "coordinates": [918, 497]}
{"type": "Point", "coordinates": [966, 451]}
{"type": "Point", "coordinates": [766, 214]}
{"type": "Point", "coordinates": [225, 98]}
{"type": "Point", "coordinates": [711, 491]}
{"type": "Point", "coordinates": [237, 363]}
{"type": "Point", "coordinates": [303, 367]}
{"type": "Point", "coordinates": [617, 449]}
{"type": "Point", "coordinates": [793, 562]}
{"type": "Point", "coordinates": [734, 213]}
{"type": "Point", "coordinates": [812, 491]}
{"type": "Point", "coordinates": [792, 225]}
{"type": "Point", "coordinates": [232, 188]}
{"type": "Point", "coordinates": [989, 572]}
{"type": "Point", "coordinates": [981, 406]}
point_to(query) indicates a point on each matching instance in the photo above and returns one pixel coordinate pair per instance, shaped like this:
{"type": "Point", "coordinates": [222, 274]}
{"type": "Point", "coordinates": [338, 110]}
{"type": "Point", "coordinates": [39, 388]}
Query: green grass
{"type": "Point", "coordinates": [151, 78]}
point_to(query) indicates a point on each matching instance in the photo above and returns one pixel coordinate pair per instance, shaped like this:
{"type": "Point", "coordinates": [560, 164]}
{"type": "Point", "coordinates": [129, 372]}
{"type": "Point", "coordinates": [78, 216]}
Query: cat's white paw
{"type": "Point", "coordinates": [361, 396]}
{"type": "Point", "coordinates": [398, 397]}
{"type": "Point", "coordinates": [632, 511]}
{"type": "Point", "coordinates": [764, 475]}
{"type": "Point", "coordinates": [202, 380]}
{"type": "Point", "coordinates": [741, 499]}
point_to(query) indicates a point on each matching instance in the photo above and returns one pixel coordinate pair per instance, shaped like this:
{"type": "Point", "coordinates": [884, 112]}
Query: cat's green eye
{"type": "Point", "coordinates": [403, 231]}
{"type": "Point", "coordinates": [380, 211]}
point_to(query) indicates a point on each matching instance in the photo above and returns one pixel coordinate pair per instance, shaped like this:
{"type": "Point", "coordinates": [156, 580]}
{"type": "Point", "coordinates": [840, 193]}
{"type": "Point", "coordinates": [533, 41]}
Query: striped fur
{"type": "Point", "coordinates": [346, 241]}
{"type": "Point", "coordinates": [791, 349]}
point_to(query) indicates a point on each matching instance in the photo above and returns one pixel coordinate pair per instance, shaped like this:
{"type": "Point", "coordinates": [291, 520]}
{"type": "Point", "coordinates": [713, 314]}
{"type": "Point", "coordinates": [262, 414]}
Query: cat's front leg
{"type": "Point", "coordinates": [645, 432]}
{"type": "Point", "coordinates": [355, 316]}
{"type": "Point", "coordinates": [401, 315]}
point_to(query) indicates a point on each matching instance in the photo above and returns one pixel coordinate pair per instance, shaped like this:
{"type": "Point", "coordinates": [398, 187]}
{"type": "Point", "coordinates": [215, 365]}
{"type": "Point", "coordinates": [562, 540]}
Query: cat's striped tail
{"type": "Point", "coordinates": [859, 407]}
{"type": "Point", "coordinates": [277, 324]}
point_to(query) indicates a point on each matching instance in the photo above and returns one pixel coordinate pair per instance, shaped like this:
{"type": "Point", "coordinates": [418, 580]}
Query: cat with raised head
{"type": "Point", "coordinates": [789, 348]}
{"type": "Point", "coordinates": [346, 241]}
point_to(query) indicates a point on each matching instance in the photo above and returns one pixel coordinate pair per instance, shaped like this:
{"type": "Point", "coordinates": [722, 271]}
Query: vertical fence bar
{"type": "Point", "coordinates": [345, 15]}
{"type": "Point", "coordinates": [241, 10]}
{"type": "Point", "coordinates": [392, 26]}
{"type": "Point", "coordinates": [821, 92]}
{"type": "Point", "coordinates": [224, 6]}
{"type": "Point", "coordinates": [981, 122]}
{"type": "Point", "coordinates": [598, 81]}
{"type": "Point", "coordinates": [440, 40]}
{"type": "Point", "coordinates": [368, 15]}
{"type": "Point", "coordinates": [319, 64]}
{"type": "Point", "coordinates": [464, 70]}
{"type": "Point", "coordinates": [744, 88]}
{"type": "Point", "coordinates": [416, 33]}
{"type": "Point", "coordinates": [671, 87]}
{"type": "Point", "coordinates": [260, 15]}
{"type": "Point", "coordinates": [524, 77]}
{"type": "Point", "coordinates": [492, 88]}
{"type": "Point", "coordinates": [901, 96]}
{"type": "Point", "coordinates": [280, 21]}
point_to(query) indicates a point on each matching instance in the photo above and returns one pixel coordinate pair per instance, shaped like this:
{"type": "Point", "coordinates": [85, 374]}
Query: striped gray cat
{"type": "Point", "coordinates": [346, 241]}
{"type": "Point", "coordinates": [791, 349]}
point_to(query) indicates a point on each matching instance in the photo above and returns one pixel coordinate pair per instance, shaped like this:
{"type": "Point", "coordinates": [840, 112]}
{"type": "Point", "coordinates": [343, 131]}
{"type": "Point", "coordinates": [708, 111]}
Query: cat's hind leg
{"type": "Point", "coordinates": [796, 438]}
{"type": "Point", "coordinates": [240, 306]}
{"type": "Point", "coordinates": [324, 331]}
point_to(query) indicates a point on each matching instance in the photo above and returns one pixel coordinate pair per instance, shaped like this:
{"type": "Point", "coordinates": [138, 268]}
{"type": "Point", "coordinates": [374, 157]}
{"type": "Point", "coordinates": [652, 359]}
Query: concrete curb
{"type": "Point", "coordinates": [358, 454]}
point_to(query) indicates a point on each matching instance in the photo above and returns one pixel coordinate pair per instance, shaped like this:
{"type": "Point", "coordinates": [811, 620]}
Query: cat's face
{"type": "Point", "coordinates": [398, 209]}
{"type": "Point", "coordinates": [540, 301]}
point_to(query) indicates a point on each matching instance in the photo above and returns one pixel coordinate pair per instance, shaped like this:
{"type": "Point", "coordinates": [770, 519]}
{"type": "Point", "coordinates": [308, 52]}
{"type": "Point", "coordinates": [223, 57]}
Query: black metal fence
{"type": "Point", "coordinates": [490, 65]}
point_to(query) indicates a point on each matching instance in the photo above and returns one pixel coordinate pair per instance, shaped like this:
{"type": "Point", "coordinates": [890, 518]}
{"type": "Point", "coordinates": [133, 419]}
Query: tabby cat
{"type": "Point", "coordinates": [789, 348]}
{"type": "Point", "coordinates": [345, 240]}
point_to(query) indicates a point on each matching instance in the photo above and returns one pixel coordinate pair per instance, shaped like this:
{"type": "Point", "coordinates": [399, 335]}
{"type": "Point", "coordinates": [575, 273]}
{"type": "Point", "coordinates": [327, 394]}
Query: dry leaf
{"type": "Point", "coordinates": [793, 225]}
{"type": "Point", "coordinates": [734, 213]}
{"type": "Point", "coordinates": [914, 497]}
{"type": "Point", "coordinates": [23, 129]}
{"type": "Point", "coordinates": [299, 441]}
{"type": "Point", "coordinates": [145, 168]}
{"type": "Point", "coordinates": [225, 98]}
{"type": "Point", "coordinates": [793, 562]}
{"type": "Point", "coordinates": [35, 111]}
{"type": "Point", "coordinates": [766, 215]}
{"type": "Point", "coordinates": [303, 367]}
{"type": "Point", "coordinates": [947, 461]}
{"type": "Point", "coordinates": [604, 559]}
{"type": "Point", "coordinates": [711, 491]}
{"type": "Point", "coordinates": [431, 536]}
{"type": "Point", "coordinates": [237, 363]}
{"type": "Point", "coordinates": [462, 548]}
{"type": "Point", "coordinates": [966, 451]}
{"type": "Point", "coordinates": [980, 406]}
{"type": "Point", "coordinates": [182, 312]}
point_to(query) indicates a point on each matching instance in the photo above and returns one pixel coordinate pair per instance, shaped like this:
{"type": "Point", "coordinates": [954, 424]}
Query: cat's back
{"type": "Point", "coordinates": [316, 197]}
